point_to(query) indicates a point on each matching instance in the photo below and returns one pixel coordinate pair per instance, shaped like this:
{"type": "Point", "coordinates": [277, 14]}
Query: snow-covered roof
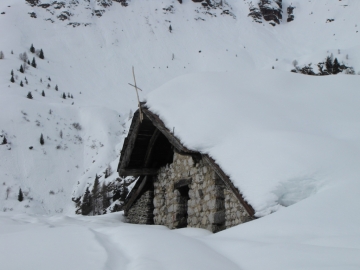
{"type": "Point", "coordinates": [281, 137]}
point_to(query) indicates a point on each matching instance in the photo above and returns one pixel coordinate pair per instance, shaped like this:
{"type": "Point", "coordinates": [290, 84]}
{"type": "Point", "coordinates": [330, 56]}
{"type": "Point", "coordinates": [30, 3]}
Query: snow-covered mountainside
{"type": "Point", "coordinates": [78, 99]}
{"type": "Point", "coordinates": [89, 58]}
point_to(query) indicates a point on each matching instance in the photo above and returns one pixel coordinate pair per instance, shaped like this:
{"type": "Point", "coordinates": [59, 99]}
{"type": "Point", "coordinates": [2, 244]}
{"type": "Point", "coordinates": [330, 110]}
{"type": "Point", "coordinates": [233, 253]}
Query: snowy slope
{"type": "Point", "coordinates": [92, 62]}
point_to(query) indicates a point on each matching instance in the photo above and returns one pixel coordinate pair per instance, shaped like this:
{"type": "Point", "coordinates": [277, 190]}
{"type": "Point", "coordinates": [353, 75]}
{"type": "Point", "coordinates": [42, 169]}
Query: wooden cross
{"type": "Point", "coordinates": [137, 94]}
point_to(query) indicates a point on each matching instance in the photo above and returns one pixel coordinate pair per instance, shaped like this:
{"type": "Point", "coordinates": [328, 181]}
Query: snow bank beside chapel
{"type": "Point", "coordinates": [281, 137]}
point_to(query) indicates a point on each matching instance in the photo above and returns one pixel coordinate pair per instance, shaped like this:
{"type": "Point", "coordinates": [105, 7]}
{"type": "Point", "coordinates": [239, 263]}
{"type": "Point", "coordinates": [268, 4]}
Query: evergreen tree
{"type": "Point", "coordinates": [95, 195]}
{"type": "Point", "coordinates": [32, 49]}
{"type": "Point", "coordinates": [329, 64]}
{"type": "Point", "coordinates": [104, 197]}
{"type": "Point", "coordinates": [21, 84]}
{"type": "Point", "coordinates": [41, 55]}
{"type": "Point", "coordinates": [108, 171]}
{"type": "Point", "coordinates": [21, 69]}
{"type": "Point", "coordinates": [56, 88]}
{"type": "Point", "coordinates": [64, 96]}
{"type": "Point", "coordinates": [28, 61]}
{"type": "Point", "coordinates": [43, 93]}
{"type": "Point", "coordinates": [86, 205]}
{"type": "Point", "coordinates": [26, 81]}
{"type": "Point", "coordinates": [48, 86]}
{"type": "Point", "coordinates": [170, 28]}
{"type": "Point", "coordinates": [12, 79]}
{"type": "Point", "coordinates": [42, 139]}
{"type": "Point", "coordinates": [29, 96]}
{"type": "Point", "coordinates": [20, 196]}
{"type": "Point", "coordinates": [4, 140]}
{"type": "Point", "coordinates": [72, 96]}
{"type": "Point", "coordinates": [33, 63]}
{"type": "Point", "coordinates": [336, 67]}
{"type": "Point", "coordinates": [12, 73]}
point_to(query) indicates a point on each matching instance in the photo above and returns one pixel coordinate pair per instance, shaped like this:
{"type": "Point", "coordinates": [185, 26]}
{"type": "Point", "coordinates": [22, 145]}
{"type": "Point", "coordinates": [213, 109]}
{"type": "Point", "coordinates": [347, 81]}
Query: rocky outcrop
{"type": "Point", "coordinates": [271, 10]}
{"type": "Point", "coordinates": [290, 11]}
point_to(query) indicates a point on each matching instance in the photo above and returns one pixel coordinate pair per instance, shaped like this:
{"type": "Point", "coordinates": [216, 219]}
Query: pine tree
{"type": "Point", "coordinates": [33, 63]}
{"type": "Point", "coordinates": [43, 93]}
{"type": "Point", "coordinates": [12, 79]}
{"type": "Point", "coordinates": [56, 88]}
{"type": "Point", "coordinates": [48, 86]}
{"type": "Point", "coordinates": [68, 95]}
{"type": "Point", "coordinates": [26, 81]}
{"type": "Point", "coordinates": [108, 171]}
{"type": "Point", "coordinates": [104, 197]}
{"type": "Point", "coordinates": [329, 65]}
{"type": "Point", "coordinates": [4, 140]}
{"type": "Point", "coordinates": [86, 205]}
{"type": "Point", "coordinates": [21, 69]}
{"type": "Point", "coordinates": [41, 55]}
{"type": "Point", "coordinates": [64, 96]}
{"type": "Point", "coordinates": [336, 67]}
{"type": "Point", "coordinates": [95, 195]}
{"type": "Point", "coordinates": [20, 196]}
{"type": "Point", "coordinates": [12, 73]}
{"type": "Point", "coordinates": [28, 61]}
{"type": "Point", "coordinates": [170, 28]}
{"type": "Point", "coordinates": [42, 139]}
{"type": "Point", "coordinates": [29, 96]}
{"type": "Point", "coordinates": [21, 84]}
{"type": "Point", "coordinates": [32, 49]}
{"type": "Point", "coordinates": [72, 96]}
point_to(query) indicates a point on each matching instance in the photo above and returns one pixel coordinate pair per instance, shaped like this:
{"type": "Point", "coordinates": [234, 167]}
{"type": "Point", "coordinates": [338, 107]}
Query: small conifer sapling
{"type": "Point", "coordinates": [12, 73]}
{"type": "Point", "coordinates": [21, 84]}
{"type": "Point", "coordinates": [21, 69]}
{"type": "Point", "coordinates": [4, 140]}
{"type": "Point", "coordinates": [43, 93]}
{"type": "Point", "coordinates": [29, 96]}
{"type": "Point", "coordinates": [12, 79]}
{"type": "Point", "coordinates": [41, 55]}
{"type": "Point", "coordinates": [56, 88]}
{"type": "Point", "coordinates": [64, 96]}
{"type": "Point", "coordinates": [32, 49]}
{"type": "Point", "coordinates": [33, 63]}
{"type": "Point", "coordinates": [20, 196]}
{"type": "Point", "coordinates": [42, 139]}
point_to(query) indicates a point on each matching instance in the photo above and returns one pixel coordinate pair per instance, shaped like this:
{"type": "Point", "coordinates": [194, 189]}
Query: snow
{"type": "Point", "coordinates": [280, 138]}
{"type": "Point", "coordinates": [297, 146]}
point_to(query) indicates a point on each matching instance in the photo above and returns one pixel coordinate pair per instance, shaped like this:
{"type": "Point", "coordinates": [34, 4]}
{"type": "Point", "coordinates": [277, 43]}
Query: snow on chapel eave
{"type": "Point", "coordinates": [137, 150]}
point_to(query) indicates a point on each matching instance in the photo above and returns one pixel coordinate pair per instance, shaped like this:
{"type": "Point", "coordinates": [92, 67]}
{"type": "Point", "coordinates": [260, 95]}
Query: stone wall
{"type": "Point", "coordinates": [141, 212]}
{"type": "Point", "coordinates": [208, 203]}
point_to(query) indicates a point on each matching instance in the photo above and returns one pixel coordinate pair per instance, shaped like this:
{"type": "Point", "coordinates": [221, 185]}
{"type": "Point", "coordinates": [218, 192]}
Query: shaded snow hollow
{"type": "Point", "coordinates": [281, 138]}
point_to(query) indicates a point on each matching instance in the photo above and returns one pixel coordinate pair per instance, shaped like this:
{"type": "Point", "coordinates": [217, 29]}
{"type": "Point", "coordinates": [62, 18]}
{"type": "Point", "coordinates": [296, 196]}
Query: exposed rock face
{"type": "Point", "coordinates": [290, 11]}
{"type": "Point", "coordinates": [104, 3]}
{"type": "Point", "coordinates": [271, 10]}
{"type": "Point", "coordinates": [33, 2]}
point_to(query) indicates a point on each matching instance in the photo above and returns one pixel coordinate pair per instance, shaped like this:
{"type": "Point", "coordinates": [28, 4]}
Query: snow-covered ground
{"type": "Point", "coordinates": [93, 64]}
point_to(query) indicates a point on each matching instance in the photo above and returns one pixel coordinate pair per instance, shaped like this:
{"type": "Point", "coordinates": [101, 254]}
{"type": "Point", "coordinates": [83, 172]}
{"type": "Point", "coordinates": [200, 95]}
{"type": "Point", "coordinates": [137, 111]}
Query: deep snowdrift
{"type": "Point", "coordinates": [280, 137]}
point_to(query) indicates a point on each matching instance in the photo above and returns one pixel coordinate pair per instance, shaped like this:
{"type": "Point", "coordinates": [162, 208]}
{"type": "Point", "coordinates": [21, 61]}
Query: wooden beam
{"type": "Point", "coordinates": [229, 184]}
{"type": "Point", "coordinates": [136, 194]}
{"type": "Point", "coordinates": [138, 171]}
{"type": "Point", "coordinates": [129, 143]}
{"type": "Point", "coordinates": [150, 147]}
